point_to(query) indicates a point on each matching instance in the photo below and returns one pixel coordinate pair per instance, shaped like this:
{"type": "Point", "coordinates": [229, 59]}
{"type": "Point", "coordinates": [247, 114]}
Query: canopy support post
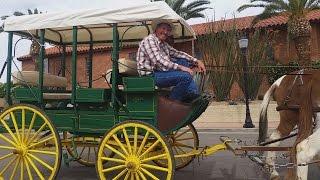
{"type": "Point", "coordinates": [74, 62]}
{"type": "Point", "coordinates": [115, 69]}
{"type": "Point", "coordinates": [63, 62]}
{"type": "Point", "coordinates": [9, 63]}
{"type": "Point", "coordinates": [90, 64]}
{"type": "Point", "coordinates": [40, 64]}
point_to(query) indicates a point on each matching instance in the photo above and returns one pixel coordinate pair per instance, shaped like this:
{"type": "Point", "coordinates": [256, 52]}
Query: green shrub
{"type": "Point", "coordinates": [220, 53]}
{"type": "Point", "coordinates": [315, 64]}
{"type": "Point", "coordinates": [275, 71]}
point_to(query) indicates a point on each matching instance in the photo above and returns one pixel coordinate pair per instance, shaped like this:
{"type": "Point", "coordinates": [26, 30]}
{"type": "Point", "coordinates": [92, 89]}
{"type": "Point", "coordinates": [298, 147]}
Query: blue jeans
{"type": "Point", "coordinates": [184, 85]}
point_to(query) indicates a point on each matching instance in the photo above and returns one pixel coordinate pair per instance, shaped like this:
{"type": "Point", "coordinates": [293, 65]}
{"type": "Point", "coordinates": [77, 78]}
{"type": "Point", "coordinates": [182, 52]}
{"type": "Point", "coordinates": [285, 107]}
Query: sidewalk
{"type": "Point", "coordinates": [220, 116]}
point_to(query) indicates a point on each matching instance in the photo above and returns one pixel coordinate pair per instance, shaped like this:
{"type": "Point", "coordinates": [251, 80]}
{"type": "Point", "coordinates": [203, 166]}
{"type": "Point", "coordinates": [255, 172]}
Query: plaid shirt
{"type": "Point", "coordinates": [156, 55]}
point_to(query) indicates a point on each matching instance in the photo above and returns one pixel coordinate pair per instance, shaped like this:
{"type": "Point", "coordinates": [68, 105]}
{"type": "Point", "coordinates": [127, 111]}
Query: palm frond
{"type": "Point", "coordinates": [246, 6]}
{"type": "Point", "coordinates": [267, 13]}
{"type": "Point", "coordinates": [197, 3]}
{"type": "Point", "coordinates": [314, 7]}
{"type": "Point", "coordinates": [265, 1]}
{"type": "Point", "coordinates": [177, 5]}
{"type": "Point", "coordinates": [284, 5]}
{"type": "Point", "coordinates": [312, 3]}
{"type": "Point", "coordinates": [29, 11]}
{"type": "Point", "coordinates": [17, 13]}
{"type": "Point", "coordinates": [4, 17]}
{"type": "Point", "coordinates": [195, 13]}
{"type": "Point", "coordinates": [294, 5]}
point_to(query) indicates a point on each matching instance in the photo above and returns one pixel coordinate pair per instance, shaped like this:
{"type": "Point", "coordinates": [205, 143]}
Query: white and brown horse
{"type": "Point", "coordinates": [298, 97]}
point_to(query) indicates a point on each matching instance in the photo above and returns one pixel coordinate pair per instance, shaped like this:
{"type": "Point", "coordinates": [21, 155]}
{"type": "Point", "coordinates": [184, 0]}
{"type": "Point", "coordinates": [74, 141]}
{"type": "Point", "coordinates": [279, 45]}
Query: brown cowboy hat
{"type": "Point", "coordinates": [156, 22]}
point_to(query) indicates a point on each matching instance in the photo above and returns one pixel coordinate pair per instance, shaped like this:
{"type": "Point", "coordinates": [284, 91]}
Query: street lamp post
{"type": "Point", "coordinates": [243, 44]}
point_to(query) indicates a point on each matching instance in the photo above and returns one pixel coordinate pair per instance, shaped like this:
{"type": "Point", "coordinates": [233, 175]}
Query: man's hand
{"type": "Point", "coordinates": [186, 69]}
{"type": "Point", "coordinates": [201, 66]}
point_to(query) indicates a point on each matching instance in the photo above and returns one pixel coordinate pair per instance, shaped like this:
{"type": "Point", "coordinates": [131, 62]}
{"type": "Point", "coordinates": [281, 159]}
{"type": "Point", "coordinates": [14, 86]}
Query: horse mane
{"type": "Point", "coordinates": [305, 124]}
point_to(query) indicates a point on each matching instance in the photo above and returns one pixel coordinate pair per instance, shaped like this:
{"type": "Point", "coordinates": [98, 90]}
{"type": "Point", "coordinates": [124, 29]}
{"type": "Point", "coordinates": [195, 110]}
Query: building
{"type": "Point", "coordinates": [284, 51]}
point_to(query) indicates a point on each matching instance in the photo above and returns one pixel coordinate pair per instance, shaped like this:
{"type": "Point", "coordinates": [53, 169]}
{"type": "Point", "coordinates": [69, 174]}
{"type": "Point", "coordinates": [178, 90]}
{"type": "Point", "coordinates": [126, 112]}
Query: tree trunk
{"type": "Point", "coordinates": [300, 32]}
{"type": "Point", "coordinates": [302, 44]}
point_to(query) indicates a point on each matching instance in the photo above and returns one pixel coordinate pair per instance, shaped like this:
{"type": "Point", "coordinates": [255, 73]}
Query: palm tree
{"type": "Point", "coordinates": [299, 28]}
{"type": "Point", "coordinates": [35, 46]}
{"type": "Point", "coordinates": [191, 10]}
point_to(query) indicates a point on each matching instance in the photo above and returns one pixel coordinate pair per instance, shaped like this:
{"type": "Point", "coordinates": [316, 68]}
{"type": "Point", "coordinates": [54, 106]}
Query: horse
{"type": "Point", "coordinates": [298, 99]}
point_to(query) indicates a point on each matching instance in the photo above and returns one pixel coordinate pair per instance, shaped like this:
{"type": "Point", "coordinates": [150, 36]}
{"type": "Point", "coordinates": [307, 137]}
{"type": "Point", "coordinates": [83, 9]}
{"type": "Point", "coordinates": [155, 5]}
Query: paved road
{"type": "Point", "coordinates": [221, 166]}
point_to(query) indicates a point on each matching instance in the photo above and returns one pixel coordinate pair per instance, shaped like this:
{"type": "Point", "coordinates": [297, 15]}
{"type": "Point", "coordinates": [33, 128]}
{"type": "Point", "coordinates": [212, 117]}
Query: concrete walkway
{"type": "Point", "coordinates": [221, 115]}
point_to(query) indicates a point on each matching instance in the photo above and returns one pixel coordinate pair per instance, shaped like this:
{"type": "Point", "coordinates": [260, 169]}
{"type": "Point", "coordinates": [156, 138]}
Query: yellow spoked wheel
{"type": "Point", "coordinates": [133, 142]}
{"type": "Point", "coordinates": [182, 141]}
{"type": "Point", "coordinates": [87, 149]}
{"type": "Point", "coordinates": [29, 144]}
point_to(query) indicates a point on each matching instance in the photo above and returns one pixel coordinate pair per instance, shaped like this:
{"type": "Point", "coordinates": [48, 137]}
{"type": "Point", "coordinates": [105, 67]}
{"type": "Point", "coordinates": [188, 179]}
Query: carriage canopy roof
{"type": "Point", "coordinates": [99, 22]}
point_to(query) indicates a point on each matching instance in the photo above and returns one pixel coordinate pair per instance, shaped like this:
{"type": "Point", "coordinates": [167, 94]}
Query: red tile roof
{"type": "Point", "coordinates": [245, 23]}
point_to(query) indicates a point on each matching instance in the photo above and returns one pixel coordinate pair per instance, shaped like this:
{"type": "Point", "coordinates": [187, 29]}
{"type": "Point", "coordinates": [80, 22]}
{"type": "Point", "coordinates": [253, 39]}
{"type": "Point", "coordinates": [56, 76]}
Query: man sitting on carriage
{"type": "Point", "coordinates": [169, 66]}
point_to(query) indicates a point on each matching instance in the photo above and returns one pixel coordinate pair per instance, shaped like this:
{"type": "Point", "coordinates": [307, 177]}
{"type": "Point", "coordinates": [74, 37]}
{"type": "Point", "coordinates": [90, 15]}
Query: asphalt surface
{"type": "Point", "coordinates": [223, 165]}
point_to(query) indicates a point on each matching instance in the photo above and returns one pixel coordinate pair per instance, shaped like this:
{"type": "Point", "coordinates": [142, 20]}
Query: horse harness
{"type": "Point", "coordinates": [295, 107]}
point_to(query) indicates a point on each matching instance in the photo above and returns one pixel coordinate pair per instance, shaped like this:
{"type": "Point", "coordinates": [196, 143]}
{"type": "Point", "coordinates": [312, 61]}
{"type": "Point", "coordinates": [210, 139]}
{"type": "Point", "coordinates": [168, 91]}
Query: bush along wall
{"type": "Point", "coordinates": [220, 53]}
{"type": "Point", "coordinates": [276, 70]}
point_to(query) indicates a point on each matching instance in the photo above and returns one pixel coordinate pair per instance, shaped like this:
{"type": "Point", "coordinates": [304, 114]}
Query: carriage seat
{"type": "Point", "coordinates": [30, 78]}
{"type": "Point", "coordinates": [127, 67]}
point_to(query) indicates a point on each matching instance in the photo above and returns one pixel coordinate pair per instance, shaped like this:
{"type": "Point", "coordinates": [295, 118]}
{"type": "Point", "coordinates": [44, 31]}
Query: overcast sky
{"type": "Point", "coordinates": [220, 9]}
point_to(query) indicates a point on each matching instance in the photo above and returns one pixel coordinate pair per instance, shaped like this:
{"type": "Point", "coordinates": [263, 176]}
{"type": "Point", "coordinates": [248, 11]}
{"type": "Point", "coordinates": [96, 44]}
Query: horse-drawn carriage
{"type": "Point", "coordinates": [129, 130]}
{"type": "Point", "coordinates": [121, 129]}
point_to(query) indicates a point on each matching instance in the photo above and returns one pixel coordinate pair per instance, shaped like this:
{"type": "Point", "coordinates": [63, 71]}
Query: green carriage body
{"type": "Point", "coordinates": [94, 113]}
{"type": "Point", "coordinates": [96, 110]}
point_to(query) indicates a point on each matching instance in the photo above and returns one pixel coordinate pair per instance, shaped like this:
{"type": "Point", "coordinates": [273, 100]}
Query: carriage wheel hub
{"type": "Point", "coordinates": [171, 140]}
{"type": "Point", "coordinates": [133, 163]}
{"type": "Point", "coordinates": [21, 150]}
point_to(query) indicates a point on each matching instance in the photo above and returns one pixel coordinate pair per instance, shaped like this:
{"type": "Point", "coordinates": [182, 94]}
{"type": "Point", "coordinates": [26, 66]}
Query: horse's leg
{"type": "Point", "coordinates": [286, 125]}
{"type": "Point", "coordinates": [271, 155]}
{"type": "Point", "coordinates": [307, 150]}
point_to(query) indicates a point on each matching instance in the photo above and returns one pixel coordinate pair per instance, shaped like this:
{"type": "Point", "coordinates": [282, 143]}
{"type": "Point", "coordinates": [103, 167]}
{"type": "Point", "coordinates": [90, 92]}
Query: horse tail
{"type": "Point", "coordinates": [263, 116]}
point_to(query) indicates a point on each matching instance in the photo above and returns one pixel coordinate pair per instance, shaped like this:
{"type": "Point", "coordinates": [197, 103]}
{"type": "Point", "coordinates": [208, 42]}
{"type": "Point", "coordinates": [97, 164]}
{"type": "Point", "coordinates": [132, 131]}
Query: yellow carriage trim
{"type": "Point", "coordinates": [135, 141]}
{"type": "Point", "coordinates": [30, 143]}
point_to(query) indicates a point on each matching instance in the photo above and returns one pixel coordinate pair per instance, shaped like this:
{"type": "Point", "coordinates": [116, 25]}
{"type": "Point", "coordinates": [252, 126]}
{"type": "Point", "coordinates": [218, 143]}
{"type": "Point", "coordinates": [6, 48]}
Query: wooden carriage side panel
{"type": "Point", "coordinates": [171, 113]}
{"type": "Point", "coordinates": [140, 99]}
{"type": "Point", "coordinates": [63, 120]}
{"type": "Point", "coordinates": [95, 121]}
